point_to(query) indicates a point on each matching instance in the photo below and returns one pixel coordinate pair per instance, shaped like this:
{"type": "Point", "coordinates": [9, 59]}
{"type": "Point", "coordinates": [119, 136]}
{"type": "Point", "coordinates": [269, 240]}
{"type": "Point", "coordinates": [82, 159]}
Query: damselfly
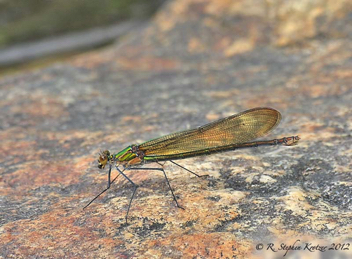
{"type": "Point", "coordinates": [230, 133]}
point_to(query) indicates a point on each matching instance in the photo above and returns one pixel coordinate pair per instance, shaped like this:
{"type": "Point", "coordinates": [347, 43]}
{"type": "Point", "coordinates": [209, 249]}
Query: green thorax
{"type": "Point", "coordinates": [125, 155]}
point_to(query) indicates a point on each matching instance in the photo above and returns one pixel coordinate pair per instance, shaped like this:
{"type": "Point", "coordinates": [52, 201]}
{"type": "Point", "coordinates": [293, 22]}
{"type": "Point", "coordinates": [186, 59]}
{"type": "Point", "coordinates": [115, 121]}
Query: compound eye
{"type": "Point", "coordinates": [103, 159]}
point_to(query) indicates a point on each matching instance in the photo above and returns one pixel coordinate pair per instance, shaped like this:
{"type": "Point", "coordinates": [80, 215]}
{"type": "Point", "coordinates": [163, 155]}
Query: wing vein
{"type": "Point", "coordinates": [239, 128]}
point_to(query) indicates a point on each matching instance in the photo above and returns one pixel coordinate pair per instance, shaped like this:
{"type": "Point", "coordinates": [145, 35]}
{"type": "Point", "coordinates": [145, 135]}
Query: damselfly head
{"type": "Point", "coordinates": [104, 157]}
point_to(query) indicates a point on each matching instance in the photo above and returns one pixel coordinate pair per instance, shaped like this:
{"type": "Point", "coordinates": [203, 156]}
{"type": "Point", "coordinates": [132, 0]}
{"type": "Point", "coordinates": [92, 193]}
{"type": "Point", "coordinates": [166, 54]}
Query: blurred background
{"type": "Point", "coordinates": [47, 30]}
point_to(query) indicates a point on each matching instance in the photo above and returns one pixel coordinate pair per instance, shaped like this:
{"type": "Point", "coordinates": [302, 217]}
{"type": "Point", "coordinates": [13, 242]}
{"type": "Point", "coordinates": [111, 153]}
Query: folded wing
{"type": "Point", "coordinates": [236, 129]}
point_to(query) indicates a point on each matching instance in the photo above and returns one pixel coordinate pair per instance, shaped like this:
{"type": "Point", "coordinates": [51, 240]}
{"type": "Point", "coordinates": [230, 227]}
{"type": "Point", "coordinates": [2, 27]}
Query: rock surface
{"type": "Point", "coordinates": [197, 61]}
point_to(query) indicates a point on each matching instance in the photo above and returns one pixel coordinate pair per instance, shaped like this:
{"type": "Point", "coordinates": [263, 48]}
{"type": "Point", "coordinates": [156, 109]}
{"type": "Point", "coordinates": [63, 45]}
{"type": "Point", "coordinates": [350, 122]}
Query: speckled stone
{"type": "Point", "coordinates": [196, 61]}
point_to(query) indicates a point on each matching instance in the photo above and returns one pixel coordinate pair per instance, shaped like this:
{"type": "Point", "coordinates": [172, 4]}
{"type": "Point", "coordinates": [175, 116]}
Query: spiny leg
{"type": "Point", "coordinates": [135, 186]}
{"type": "Point", "coordinates": [167, 180]}
{"type": "Point", "coordinates": [185, 168]}
{"type": "Point", "coordinates": [107, 188]}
